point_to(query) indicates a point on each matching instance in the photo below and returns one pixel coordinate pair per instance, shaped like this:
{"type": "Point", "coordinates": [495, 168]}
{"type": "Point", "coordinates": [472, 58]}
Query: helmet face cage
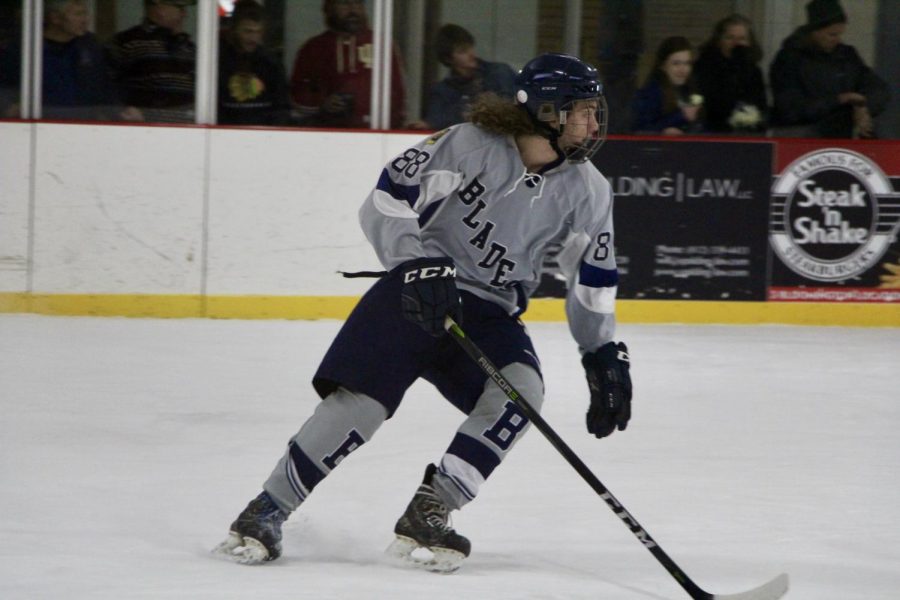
{"type": "Point", "coordinates": [582, 150]}
{"type": "Point", "coordinates": [549, 86]}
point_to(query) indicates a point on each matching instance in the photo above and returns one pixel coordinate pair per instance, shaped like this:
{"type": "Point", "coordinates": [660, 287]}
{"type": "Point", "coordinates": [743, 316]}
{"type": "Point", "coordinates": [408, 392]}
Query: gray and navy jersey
{"type": "Point", "coordinates": [465, 193]}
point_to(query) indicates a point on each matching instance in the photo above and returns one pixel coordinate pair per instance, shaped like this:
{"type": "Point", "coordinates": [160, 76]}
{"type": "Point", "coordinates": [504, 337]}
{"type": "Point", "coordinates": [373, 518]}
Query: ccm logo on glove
{"type": "Point", "coordinates": [429, 293]}
{"type": "Point", "coordinates": [429, 273]}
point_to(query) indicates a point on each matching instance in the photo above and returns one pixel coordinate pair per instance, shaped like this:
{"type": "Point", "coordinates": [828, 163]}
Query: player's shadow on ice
{"type": "Point", "coordinates": [492, 563]}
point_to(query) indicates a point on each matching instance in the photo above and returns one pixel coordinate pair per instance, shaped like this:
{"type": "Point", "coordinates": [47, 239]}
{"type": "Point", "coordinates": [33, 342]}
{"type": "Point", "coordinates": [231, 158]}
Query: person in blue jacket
{"type": "Point", "coordinates": [76, 84]}
{"type": "Point", "coordinates": [668, 103]}
{"type": "Point", "coordinates": [450, 98]}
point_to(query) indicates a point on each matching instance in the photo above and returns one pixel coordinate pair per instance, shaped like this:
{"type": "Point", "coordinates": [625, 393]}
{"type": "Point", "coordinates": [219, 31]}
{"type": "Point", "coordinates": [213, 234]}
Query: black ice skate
{"type": "Point", "coordinates": [255, 536]}
{"type": "Point", "coordinates": [425, 525]}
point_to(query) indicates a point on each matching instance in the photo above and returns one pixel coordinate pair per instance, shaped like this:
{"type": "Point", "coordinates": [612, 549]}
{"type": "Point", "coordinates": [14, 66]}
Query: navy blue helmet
{"type": "Point", "coordinates": [549, 87]}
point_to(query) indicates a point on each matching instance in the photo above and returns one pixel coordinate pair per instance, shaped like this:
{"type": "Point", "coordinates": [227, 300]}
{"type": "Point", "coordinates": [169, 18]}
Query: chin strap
{"type": "Point", "coordinates": [552, 135]}
{"type": "Point", "coordinates": [560, 155]}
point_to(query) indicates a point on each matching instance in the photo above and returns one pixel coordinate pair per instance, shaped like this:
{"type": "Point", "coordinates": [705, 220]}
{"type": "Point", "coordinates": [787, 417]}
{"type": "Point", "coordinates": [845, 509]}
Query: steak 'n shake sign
{"type": "Point", "coordinates": [833, 221]}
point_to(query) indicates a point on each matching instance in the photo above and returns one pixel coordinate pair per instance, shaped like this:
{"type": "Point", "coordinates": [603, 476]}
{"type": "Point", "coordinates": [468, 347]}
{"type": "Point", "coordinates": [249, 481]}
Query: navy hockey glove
{"type": "Point", "coordinates": [610, 385]}
{"type": "Point", "coordinates": [429, 293]}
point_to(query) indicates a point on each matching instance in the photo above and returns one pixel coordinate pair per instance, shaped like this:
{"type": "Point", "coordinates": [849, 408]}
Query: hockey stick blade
{"type": "Point", "coordinates": [772, 590]}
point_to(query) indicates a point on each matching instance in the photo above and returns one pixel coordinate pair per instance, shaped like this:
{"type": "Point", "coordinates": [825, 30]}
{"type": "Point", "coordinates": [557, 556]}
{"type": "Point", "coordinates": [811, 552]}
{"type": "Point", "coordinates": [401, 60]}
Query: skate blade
{"type": "Point", "coordinates": [241, 550]}
{"type": "Point", "coordinates": [437, 560]}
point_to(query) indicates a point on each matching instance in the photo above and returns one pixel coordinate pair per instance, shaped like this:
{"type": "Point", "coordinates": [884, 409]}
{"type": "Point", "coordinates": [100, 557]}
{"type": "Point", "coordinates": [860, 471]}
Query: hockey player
{"type": "Point", "coordinates": [462, 221]}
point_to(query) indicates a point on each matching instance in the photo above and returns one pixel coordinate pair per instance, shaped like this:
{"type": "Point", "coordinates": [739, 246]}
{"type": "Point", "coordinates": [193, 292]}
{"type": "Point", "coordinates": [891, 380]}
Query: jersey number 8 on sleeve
{"type": "Point", "coordinates": [602, 250]}
{"type": "Point", "coordinates": [409, 163]}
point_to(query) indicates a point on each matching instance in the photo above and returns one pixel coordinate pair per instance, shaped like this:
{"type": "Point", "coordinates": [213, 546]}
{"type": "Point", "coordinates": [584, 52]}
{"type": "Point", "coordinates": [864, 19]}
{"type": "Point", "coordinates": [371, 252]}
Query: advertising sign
{"type": "Point", "coordinates": [834, 218]}
{"type": "Point", "coordinates": [690, 219]}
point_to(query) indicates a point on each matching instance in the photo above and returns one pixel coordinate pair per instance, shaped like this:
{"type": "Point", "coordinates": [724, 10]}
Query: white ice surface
{"type": "Point", "coordinates": [127, 446]}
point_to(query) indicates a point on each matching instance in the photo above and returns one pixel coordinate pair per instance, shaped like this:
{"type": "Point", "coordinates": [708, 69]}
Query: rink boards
{"type": "Point", "coordinates": [233, 223]}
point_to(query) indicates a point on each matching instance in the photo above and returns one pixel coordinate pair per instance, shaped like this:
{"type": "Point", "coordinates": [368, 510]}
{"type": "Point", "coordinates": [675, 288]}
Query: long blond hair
{"type": "Point", "coordinates": [501, 116]}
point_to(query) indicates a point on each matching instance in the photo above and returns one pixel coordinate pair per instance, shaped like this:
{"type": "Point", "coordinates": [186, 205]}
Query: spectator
{"type": "Point", "coordinates": [252, 84]}
{"type": "Point", "coordinates": [75, 83]}
{"type": "Point", "coordinates": [668, 102]}
{"type": "Point", "coordinates": [10, 61]}
{"type": "Point", "coordinates": [729, 78]}
{"type": "Point", "coordinates": [331, 80]}
{"type": "Point", "coordinates": [155, 63]}
{"type": "Point", "coordinates": [620, 40]}
{"type": "Point", "coordinates": [469, 76]}
{"type": "Point", "coordinates": [821, 86]}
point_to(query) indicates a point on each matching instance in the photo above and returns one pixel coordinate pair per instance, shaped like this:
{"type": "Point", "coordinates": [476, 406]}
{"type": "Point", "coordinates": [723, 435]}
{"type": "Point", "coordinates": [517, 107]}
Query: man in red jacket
{"type": "Point", "coordinates": [332, 77]}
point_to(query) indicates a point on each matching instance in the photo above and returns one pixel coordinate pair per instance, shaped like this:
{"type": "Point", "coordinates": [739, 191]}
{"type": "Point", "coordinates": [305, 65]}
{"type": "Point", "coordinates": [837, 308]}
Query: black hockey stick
{"type": "Point", "coordinates": [771, 590]}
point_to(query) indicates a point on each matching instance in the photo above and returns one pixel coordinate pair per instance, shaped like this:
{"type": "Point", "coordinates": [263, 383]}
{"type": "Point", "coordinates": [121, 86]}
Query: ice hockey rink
{"type": "Point", "coordinates": [127, 446]}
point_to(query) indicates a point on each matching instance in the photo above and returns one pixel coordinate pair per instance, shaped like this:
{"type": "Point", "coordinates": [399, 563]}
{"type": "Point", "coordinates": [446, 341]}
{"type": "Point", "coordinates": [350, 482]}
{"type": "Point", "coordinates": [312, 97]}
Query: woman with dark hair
{"type": "Point", "coordinates": [729, 77]}
{"type": "Point", "coordinates": [668, 102]}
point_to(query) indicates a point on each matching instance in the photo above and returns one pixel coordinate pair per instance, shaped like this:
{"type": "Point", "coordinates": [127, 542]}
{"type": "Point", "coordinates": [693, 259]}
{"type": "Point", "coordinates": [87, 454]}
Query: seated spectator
{"type": "Point", "coordinates": [469, 76]}
{"type": "Point", "coordinates": [331, 82]}
{"type": "Point", "coordinates": [252, 84]}
{"type": "Point", "coordinates": [154, 63]}
{"type": "Point", "coordinates": [821, 87]}
{"type": "Point", "coordinates": [10, 77]}
{"type": "Point", "coordinates": [75, 82]}
{"type": "Point", "coordinates": [730, 80]}
{"type": "Point", "coordinates": [10, 61]}
{"type": "Point", "coordinates": [668, 103]}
